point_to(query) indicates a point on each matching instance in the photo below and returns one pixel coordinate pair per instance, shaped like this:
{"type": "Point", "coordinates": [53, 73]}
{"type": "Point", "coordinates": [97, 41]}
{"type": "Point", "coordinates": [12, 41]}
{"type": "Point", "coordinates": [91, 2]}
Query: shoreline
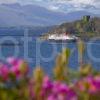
{"type": "Point", "coordinates": [85, 37]}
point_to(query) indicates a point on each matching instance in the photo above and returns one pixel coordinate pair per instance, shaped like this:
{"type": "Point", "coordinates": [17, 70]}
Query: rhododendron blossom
{"type": "Point", "coordinates": [43, 87]}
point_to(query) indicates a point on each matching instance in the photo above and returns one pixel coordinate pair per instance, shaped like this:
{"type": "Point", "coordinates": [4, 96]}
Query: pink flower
{"type": "Point", "coordinates": [4, 71]}
{"type": "Point", "coordinates": [90, 83]}
{"type": "Point", "coordinates": [52, 97]}
{"type": "Point", "coordinates": [61, 97]}
{"type": "Point", "coordinates": [97, 82]}
{"type": "Point", "coordinates": [60, 88]}
{"type": "Point", "coordinates": [95, 85]}
{"type": "Point", "coordinates": [47, 84]}
{"type": "Point", "coordinates": [15, 70]}
{"type": "Point", "coordinates": [63, 88]}
{"type": "Point", "coordinates": [71, 95]}
{"type": "Point", "coordinates": [23, 67]}
{"type": "Point", "coordinates": [19, 67]}
{"type": "Point", "coordinates": [92, 89]}
{"type": "Point", "coordinates": [81, 86]}
{"type": "Point", "coordinates": [12, 61]}
{"type": "Point", "coordinates": [56, 85]}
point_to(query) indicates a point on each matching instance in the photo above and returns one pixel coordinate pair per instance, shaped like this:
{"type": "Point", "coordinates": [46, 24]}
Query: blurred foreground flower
{"type": "Point", "coordinates": [15, 83]}
{"type": "Point", "coordinates": [4, 72]}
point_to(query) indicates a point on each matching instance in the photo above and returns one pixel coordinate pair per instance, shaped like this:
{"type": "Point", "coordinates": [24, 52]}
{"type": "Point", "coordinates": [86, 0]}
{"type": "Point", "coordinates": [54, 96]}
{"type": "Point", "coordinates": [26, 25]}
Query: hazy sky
{"type": "Point", "coordinates": [62, 5]}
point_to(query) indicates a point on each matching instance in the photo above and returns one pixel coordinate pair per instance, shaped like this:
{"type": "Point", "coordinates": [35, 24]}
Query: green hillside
{"type": "Point", "coordinates": [86, 27]}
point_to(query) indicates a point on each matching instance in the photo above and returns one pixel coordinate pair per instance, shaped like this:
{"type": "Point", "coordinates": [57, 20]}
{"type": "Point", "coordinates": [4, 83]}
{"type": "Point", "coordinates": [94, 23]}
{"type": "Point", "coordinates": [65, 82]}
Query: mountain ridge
{"type": "Point", "coordinates": [33, 15]}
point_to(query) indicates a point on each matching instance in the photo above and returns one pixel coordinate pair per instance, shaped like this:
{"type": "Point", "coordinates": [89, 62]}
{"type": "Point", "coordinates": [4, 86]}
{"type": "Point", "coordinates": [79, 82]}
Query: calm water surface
{"type": "Point", "coordinates": [43, 53]}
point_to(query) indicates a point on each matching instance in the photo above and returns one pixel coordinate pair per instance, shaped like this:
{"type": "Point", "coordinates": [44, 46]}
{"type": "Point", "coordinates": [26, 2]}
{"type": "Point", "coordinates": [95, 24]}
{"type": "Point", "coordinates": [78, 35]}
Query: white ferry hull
{"type": "Point", "coordinates": [62, 38]}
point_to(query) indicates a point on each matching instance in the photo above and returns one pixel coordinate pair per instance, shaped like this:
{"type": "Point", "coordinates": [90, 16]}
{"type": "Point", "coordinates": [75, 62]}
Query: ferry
{"type": "Point", "coordinates": [62, 37]}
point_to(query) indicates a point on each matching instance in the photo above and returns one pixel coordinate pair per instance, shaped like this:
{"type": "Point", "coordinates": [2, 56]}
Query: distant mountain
{"type": "Point", "coordinates": [77, 15]}
{"type": "Point", "coordinates": [33, 15]}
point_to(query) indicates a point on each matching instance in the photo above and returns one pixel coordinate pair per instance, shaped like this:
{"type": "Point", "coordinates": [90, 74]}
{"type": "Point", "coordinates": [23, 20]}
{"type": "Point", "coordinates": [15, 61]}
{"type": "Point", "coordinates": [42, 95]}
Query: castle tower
{"type": "Point", "coordinates": [86, 18]}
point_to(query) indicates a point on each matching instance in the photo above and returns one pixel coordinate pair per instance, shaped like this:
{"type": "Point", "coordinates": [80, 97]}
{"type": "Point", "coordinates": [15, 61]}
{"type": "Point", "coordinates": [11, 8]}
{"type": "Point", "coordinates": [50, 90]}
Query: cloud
{"type": "Point", "coordinates": [73, 5]}
{"type": "Point", "coordinates": [8, 1]}
{"type": "Point", "coordinates": [67, 5]}
{"type": "Point", "coordinates": [62, 5]}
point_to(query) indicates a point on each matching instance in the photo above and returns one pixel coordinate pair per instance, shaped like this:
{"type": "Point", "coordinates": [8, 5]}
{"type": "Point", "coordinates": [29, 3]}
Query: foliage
{"type": "Point", "coordinates": [66, 84]}
{"type": "Point", "coordinates": [84, 28]}
{"type": "Point", "coordinates": [61, 68]}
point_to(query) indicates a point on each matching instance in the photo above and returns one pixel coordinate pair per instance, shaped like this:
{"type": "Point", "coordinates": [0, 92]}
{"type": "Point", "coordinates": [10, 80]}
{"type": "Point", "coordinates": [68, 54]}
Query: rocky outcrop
{"type": "Point", "coordinates": [79, 27]}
